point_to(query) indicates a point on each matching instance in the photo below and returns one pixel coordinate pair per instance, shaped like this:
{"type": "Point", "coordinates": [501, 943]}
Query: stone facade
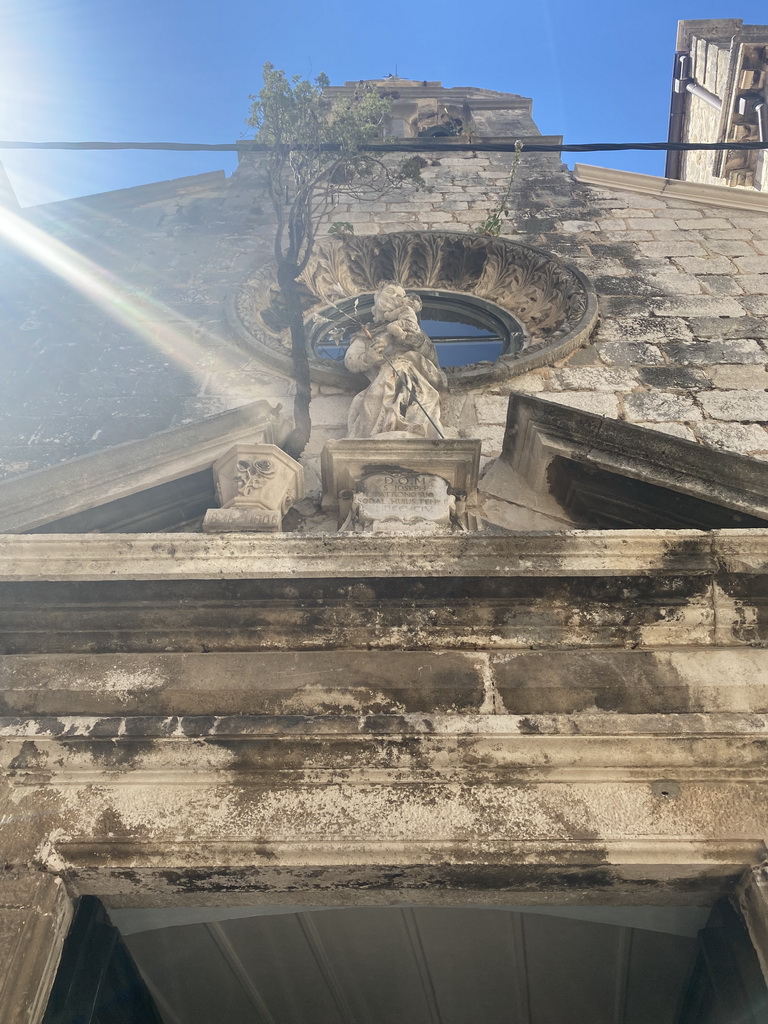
{"type": "Point", "coordinates": [682, 287]}
{"type": "Point", "coordinates": [507, 709]}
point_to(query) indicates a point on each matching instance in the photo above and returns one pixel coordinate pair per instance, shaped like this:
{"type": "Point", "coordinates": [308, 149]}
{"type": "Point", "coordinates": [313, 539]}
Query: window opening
{"type": "Point", "coordinates": [463, 331]}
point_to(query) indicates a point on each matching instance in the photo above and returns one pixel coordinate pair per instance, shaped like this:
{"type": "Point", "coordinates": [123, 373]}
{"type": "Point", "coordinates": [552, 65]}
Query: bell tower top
{"type": "Point", "coordinates": [423, 109]}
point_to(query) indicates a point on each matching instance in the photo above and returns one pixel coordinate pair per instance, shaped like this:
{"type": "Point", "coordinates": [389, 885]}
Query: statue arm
{"type": "Point", "coordinates": [362, 355]}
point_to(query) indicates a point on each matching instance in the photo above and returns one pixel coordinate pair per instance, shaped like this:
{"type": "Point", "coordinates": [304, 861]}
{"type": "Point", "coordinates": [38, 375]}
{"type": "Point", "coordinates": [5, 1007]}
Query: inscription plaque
{"type": "Point", "coordinates": [402, 501]}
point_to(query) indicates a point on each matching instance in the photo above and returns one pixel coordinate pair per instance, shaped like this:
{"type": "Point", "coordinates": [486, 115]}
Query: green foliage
{"type": "Point", "coordinates": [411, 168]}
{"type": "Point", "coordinates": [494, 222]}
{"type": "Point", "coordinates": [341, 227]}
{"type": "Point", "coordinates": [315, 153]}
{"type": "Point", "coordinates": [314, 157]}
{"type": "Point", "coordinates": [296, 112]}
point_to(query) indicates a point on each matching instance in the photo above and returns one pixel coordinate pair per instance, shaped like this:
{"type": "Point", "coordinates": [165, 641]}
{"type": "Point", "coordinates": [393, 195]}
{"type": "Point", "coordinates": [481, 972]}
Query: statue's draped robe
{"type": "Point", "coordinates": [404, 393]}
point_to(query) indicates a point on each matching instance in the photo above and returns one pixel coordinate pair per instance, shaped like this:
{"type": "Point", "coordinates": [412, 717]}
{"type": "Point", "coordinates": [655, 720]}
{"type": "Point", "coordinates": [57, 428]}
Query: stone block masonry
{"type": "Point", "coordinates": [681, 285]}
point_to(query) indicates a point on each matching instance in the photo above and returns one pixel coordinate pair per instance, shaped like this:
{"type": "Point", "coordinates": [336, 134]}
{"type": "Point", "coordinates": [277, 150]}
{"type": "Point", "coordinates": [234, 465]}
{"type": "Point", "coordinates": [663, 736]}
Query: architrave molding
{"type": "Point", "coordinates": [190, 556]}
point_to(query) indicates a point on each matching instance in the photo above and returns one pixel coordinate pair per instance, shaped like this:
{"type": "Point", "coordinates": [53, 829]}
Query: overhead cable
{"type": "Point", "coordinates": [405, 145]}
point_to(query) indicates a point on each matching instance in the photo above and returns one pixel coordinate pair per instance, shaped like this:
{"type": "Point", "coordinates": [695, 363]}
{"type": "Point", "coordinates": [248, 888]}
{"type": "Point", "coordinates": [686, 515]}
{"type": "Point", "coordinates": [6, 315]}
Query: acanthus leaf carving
{"type": "Point", "coordinates": [552, 301]}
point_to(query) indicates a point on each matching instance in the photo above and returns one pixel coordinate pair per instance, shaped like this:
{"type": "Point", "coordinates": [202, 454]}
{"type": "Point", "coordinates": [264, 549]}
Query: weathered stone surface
{"type": "Point", "coordinates": [660, 406]}
{"type": "Point", "coordinates": [708, 266]}
{"type": "Point", "coordinates": [493, 408]}
{"type": "Point", "coordinates": [242, 520]}
{"type": "Point", "coordinates": [754, 284]}
{"type": "Point", "coordinates": [736, 405]}
{"type": "Point", "coordinates": [675, 247]}
{"type": "Point", "coordinates": [328, 832]}
{"type": "Point", "coordinates": [678, 377]}
{"type": "Point", "coordinates": [626, 681]}
{"type": "Point", "coordinates": [402, 501]}
{"type": "Point", "coordinates": [739, 377]}
{"type": "Point", "coordinates": [593, 378]}
{"type": "Point", "coordinates": [391, 479]}
{"type": "Point", "coordinates": [265, 683]}
{"type": "Point", "coordinates": [755, 305]}
{"type": "Point", "coordinates": [748, 438]}
{"type": "Point", "coordinates": [672, 428]}
{"type": "Point", "coordinates": [630, 353]}
{"type": "Point", "coordinates": [750, 264]}
{"type": "Point", "coordinates": [745, 351]}
{"type": "Point", "coordinates": [600, 404]}
{"type": "Point", "coordinates": [722, 285]}
{"type": "Point", "coordinates": [702, 305]}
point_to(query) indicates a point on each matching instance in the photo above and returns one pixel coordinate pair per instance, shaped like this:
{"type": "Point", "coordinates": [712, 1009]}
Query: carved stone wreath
{"type": "Point", "coordinates": [553, 303]}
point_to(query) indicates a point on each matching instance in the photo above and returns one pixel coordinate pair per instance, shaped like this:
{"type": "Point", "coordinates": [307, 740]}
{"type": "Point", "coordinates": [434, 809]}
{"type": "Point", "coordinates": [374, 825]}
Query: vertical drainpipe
{"type": "Point", "coordinates": [683, 82]}
{"type": "Point", "coordinates": [681, 71]}
{"type": "Point", "coordinates": [761, 109]}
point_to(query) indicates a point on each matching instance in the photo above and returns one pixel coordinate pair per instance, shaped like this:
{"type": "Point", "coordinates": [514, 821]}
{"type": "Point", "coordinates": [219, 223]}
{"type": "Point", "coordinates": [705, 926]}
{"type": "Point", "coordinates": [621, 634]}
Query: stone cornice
{"type": "Point", "coordinates": [129, 197]}
{"type": "Point", "coordinates": [189, 556]}
{"type": "Point", "coordinates": [530, 729]}
{"type": "Point", "coordinates": [695, 192]}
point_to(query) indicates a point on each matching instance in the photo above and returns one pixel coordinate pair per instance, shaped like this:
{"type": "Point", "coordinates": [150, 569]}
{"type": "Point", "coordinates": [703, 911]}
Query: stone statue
{"type": "Point", "coordinates": [401, 363]}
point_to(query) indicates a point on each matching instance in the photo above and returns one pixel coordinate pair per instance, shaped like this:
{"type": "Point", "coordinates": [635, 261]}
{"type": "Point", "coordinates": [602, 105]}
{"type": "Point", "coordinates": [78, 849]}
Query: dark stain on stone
{"type": "Point", "coordinates": [105, 727]}
{"type": "Point", "coordinates": [384, 724]}
{"type": "Point", "coordinates": [28, 758]}
{"type": "Point", "coordinates": [109, 823]}
{"type": "Point", "coordinates": [120, 755]}
{"type": "Point", "coordinates": [201, 725]}
{"type": "Point", "coordinates": [236, 615]}
{"type": "Point", "coordinates": [667, 789]}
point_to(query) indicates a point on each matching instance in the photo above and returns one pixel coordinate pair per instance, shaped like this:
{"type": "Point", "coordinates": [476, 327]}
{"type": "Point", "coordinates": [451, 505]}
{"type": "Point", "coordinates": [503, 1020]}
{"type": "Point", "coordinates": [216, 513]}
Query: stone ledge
{"type": "Point", "coordinates": [532, 728]}
{"type": "Point", "coordinates": [179, 556]}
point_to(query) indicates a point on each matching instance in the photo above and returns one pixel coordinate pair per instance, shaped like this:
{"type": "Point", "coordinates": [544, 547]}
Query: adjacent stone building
{"type": "Point", "coordinates": [719, 95]}
{"type": "Point", "coordinates": [496, 693]}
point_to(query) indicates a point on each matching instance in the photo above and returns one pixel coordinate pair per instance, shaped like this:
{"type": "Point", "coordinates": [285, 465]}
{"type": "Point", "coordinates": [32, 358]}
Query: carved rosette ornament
{"type": "Point", "coordinates": [552, 302]}
{"type": "Point", "coordinates": [256, 484]}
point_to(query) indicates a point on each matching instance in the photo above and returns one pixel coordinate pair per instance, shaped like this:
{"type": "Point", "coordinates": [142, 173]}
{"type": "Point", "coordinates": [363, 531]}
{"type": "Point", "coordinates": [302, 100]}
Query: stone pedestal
{"type": "Point", "coordinates": [256, 484]}
{"type": "Point", "coordinates": [401, 484]}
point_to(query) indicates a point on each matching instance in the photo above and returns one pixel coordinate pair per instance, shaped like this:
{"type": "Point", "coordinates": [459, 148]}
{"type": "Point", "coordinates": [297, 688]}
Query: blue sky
{"type": "Point", "coordinates": [166, 70]}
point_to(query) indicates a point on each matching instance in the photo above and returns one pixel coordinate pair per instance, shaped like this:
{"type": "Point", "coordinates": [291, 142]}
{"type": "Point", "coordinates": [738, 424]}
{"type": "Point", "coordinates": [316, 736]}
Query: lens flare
{"type": "Point", "coordinates": [186, 342]}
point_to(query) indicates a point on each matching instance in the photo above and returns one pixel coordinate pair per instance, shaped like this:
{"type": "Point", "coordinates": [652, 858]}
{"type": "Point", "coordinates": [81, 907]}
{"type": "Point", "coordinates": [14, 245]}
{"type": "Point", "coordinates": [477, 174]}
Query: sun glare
{"type": "Point", "coordinates": [186, 342]}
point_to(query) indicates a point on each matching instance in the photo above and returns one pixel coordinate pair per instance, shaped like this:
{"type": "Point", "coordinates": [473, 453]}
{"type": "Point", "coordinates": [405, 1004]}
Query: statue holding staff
{"type": "Point", "coordinates": [401, 363]}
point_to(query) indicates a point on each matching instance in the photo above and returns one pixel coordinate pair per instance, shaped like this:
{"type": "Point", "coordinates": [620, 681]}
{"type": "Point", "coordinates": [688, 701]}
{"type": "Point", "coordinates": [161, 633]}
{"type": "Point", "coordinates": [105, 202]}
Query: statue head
{"type": "Point", "coordinates": [392, 302]}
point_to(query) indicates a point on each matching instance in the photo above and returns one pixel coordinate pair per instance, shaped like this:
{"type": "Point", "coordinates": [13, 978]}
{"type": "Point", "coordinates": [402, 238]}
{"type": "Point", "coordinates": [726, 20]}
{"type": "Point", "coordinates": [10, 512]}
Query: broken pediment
{"type": "Point", "coordinates": [562, 468]}
{"type": "Point", "coordinates": [160, 483]}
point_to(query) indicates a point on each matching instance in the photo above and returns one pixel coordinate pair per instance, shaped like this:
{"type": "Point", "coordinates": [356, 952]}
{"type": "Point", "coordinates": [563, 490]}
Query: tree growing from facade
{"type": "Point", "coordinates": [314, 156]}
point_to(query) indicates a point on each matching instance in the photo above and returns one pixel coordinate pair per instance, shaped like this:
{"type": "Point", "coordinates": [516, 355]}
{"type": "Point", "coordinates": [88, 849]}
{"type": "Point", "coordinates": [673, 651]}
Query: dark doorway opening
{"type": "Point", "coordinates": [409, 965]}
